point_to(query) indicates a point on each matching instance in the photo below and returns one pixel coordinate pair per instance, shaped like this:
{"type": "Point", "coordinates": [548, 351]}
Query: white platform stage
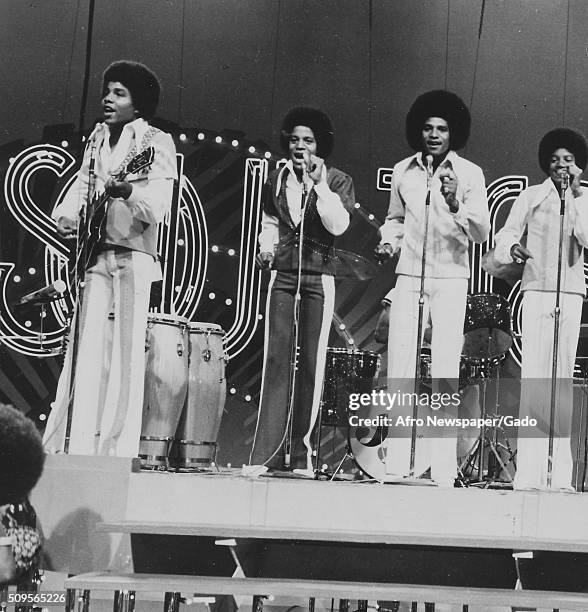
{"type": "Point", "coordinates": [77, 494]}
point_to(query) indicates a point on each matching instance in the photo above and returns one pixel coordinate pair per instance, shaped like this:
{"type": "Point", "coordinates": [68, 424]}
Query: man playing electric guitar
{"type": "Point", "coordinates": [128, 170]}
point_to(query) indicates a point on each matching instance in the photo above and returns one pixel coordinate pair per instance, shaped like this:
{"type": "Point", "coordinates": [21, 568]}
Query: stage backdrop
{"type": "Point", "coordinates": [230, 70]}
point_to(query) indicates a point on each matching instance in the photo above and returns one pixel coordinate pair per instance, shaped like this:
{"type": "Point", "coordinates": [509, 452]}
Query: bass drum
{"type": "Point", "coordinates": [369, 445]}
{"type": "Point", "coordinates": [166, 384]}
{"type": "Point", "coordinates": [370, 440]}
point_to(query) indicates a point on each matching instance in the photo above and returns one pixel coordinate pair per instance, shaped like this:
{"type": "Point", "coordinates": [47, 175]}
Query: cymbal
{"type": "Point", "coordinates": [352, 266]}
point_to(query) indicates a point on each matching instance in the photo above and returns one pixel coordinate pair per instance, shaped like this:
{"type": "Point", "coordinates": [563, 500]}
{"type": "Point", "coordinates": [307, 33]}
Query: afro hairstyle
{"type": "Point", "coordinates": [562, 138]}
{"type": "Point", "coordinates": [139, 80]}
{"type": "Point", "coordinates": [443, 104]}
{"type": "Point", "coordinates": [314, 119]}
{"type": "Point", "coordinates": [21, 455]}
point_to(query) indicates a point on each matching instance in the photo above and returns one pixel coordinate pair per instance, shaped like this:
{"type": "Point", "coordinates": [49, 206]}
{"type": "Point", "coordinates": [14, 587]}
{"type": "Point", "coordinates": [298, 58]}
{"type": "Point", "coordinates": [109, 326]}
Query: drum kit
{"type": "Point", "coordinates": [487, 340]}
{"type": "Point", "coordinates": [185, 391]}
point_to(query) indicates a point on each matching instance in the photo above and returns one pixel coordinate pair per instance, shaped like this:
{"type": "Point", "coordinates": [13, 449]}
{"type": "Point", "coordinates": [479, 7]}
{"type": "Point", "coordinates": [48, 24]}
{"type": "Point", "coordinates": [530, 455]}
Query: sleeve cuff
{"type": "Point", "coordinates": [133, 198]}
{"type": "Point", "coordinates": [387, 299]}
{"type": "Point", "coordinates": [322, 189]}
{"type": "Point", "coordinates": [388, 235]}
{"type": "Point", "coordinates": [502, 251]}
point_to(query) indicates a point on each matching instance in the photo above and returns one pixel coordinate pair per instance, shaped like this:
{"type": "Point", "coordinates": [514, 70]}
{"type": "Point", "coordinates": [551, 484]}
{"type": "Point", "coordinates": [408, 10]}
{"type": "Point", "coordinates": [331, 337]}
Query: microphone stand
{"type": "Point", "coordinates": [79, 275]}
{"type": "Point", "coordinates": [294, 349]}
{"type": "Point", "coordinates": [417, 367]}
{"type": "Point", "coordinates": [556, 312]}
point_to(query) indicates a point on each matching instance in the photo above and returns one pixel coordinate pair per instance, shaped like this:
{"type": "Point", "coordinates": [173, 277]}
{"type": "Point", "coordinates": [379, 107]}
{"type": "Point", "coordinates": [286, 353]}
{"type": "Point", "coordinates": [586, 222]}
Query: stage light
{"type": "Point", "coordinates": [16, 279]}
{"type": "Point", "coordinates": [267, 155]}
{"type": "Point", "coordinates": [247, 398]}
{"type": "Point", "coordinates": [371, 217]}
{"type": "Point", "coordinates": [228, 301]}
{"type": "Point", "coordinates": [232, 390]}
{"type": "Point", "coordinates": [214, 248]}
{"type": "Point", "coordinates": [231, 252]}
{"type": "Point", "coordinates": [235, 143]}
{"type": "Point", "coordinates": [211, 295]}
{"type": "Point", "coordinates": [64, 144]}
{"type": "Point", "coordinates": [351, 341]}
{"type": "Point", "coordinates": [200, 136]}
{"type": "Point", "coordinates": [342, 326]}
{"type": "Point", "coordinates": [260, 316]}
{"type": "Point", "coordinates": [177, 288]}
{"type": "Point", "coordinates": [32, 271]}
{"type": "Point", "coordinates": [218, 140]}
{"type": "Point", "coordinates": [183, 137]}
{"type": "Point", "coordinates": [357, 205]}
{"type": "Point", "coordinates": [251, 150]}
{"type": "Point", "coordinates": [42, 417]}
{"type": "Point", "coordinates": [28, 323]}
{"type": "Point", "coordinates": [181, 242]}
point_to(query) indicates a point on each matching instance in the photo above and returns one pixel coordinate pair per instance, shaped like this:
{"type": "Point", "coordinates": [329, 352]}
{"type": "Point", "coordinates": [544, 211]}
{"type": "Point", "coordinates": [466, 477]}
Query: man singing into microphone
{"type": "Point", "coordinates": [437, 124]}
{"type": "Point", "coordinates": [108, 375]}
{"type": "Point", "coordinates": [562, 156]}
{"type": "Point", "coordinates": [305, 205]}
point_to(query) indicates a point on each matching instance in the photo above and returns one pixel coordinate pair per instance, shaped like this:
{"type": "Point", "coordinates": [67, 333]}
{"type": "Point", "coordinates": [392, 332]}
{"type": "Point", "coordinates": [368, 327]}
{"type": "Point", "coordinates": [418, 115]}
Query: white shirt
{"type": "Point", "coordinates": [537, 210]}
{"type": "Point", "coordinates": [448, 233]}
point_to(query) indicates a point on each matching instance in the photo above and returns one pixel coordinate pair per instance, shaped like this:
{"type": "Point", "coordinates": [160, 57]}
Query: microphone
{"type": "Point", "coordinates": [429, 160]}
{"type": "Point", "coordinates": [565, 178]}
{"type": "Point", "coordinates": [563, 185]}
{"type": "Point", "coordinates": [99, 127]}
{"type": "Point", "coordinates": [47, 294]}
{"type": "Point", "coordinates": [306, 176]}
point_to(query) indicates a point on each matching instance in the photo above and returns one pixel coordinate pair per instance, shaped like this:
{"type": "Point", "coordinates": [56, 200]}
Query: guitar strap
{"type": "Point", "coordinates": [151, 131]}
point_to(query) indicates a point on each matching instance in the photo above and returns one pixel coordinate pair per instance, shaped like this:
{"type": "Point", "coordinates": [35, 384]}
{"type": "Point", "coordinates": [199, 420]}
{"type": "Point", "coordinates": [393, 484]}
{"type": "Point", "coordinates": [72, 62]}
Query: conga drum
{"type": "Point", "coordinates": [167, 348]}
{"type": "Point", "coordinates": [197, 432]}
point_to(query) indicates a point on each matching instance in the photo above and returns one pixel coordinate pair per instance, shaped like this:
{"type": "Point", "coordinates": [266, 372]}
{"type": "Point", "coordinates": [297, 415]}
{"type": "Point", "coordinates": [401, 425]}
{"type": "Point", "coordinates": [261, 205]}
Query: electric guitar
{"type": "Point", "coordinates": [93, 223]}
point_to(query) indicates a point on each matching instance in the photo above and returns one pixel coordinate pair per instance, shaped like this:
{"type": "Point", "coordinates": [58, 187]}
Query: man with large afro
{"type": "Point", "coordinates": [306, 204]}
{"type": "Point", "coordinates": [135, 166]}
{"type": "Point", "coordinates": [536, 213]}
{"type": "Point", "coordinates": [453, 190]}
{"type": "Point", "coordinates": [21, 464]}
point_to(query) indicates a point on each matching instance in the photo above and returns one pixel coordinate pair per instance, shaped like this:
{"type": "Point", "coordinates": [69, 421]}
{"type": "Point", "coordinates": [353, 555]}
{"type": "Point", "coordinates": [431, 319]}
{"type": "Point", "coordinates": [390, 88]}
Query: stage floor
{"type": "Point", "coordinates": [97, 513]}
{"type": "Point", "coordinates": [77, 493]}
